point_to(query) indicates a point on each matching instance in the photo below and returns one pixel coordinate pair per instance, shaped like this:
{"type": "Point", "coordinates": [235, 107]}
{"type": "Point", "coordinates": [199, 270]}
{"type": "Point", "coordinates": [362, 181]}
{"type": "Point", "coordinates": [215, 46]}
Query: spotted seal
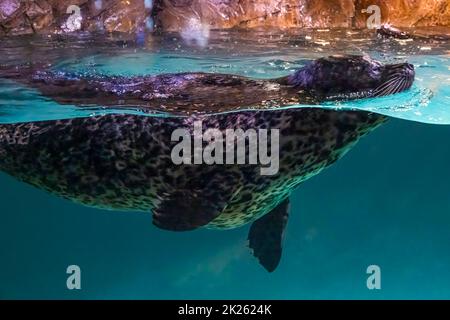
{"type": "Point", "coordinates": [124, 162]}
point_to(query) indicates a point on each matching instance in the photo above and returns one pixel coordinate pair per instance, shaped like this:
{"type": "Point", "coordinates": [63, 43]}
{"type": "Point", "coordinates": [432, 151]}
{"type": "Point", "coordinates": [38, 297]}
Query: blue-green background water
{"type": "Point", "coordinates": [387, 202]}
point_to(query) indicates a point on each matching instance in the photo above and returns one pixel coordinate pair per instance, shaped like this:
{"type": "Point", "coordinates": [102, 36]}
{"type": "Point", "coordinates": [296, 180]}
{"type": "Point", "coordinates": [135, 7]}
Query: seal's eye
{"type": "Point", "coordinates": [376, 69]}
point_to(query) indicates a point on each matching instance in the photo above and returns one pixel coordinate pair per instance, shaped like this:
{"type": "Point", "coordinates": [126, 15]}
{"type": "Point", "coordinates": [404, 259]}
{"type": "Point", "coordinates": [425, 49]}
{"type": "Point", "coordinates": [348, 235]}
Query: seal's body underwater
{"type": "Point", "coordinates": [125, 162]}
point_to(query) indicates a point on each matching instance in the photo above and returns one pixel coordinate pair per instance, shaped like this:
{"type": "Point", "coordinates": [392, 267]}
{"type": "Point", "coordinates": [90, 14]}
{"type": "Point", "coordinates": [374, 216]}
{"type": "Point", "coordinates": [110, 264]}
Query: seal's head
{"type": "Point", "coordinates": [349, 77]}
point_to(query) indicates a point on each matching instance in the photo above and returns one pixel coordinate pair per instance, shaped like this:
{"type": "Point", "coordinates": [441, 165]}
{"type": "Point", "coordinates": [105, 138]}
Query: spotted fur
{"type": "Point", "coordinates": [123, 162]}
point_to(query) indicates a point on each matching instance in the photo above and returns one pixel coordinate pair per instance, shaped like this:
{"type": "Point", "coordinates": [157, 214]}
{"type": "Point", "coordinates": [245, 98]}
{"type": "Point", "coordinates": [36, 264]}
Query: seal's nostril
{"type": "Point", "coordinates": [411, 71]}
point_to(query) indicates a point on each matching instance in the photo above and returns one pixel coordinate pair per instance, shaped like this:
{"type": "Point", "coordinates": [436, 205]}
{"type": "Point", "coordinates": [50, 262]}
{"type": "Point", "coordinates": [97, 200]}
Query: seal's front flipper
{"type": "Point", "coordinates": [266, 236]}
{"type": "Point", "coordinates": [185, 210]}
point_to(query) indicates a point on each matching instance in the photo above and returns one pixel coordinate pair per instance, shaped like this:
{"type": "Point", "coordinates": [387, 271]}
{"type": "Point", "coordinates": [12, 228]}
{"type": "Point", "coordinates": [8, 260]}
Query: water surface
{"type": "Point", "coordinates": [264, 55]}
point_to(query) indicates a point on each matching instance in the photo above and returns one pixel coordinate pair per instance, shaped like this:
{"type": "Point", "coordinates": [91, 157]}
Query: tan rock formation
{"type": "Point", "coordinates": [30, 16]}
{"type": "Point", "coordinates": [407, 13]}
{"type": "Point", "coordinates": [176, 14]}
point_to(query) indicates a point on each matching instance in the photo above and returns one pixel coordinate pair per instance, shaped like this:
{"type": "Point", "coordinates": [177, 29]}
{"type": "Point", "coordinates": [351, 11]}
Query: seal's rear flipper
{"type": "Point", "coordinates": [185, 210]}
{"type": "Point", "coordinates": [266, 236]}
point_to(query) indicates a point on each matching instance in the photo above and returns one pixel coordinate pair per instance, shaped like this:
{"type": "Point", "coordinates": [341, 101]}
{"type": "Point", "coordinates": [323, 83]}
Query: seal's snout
{"type": "Point", "coordinates": [396, 78]}
{"type": "Point", "coordinates": [408, 73]}
{"type": "Point", "coordinates": [406, 69]}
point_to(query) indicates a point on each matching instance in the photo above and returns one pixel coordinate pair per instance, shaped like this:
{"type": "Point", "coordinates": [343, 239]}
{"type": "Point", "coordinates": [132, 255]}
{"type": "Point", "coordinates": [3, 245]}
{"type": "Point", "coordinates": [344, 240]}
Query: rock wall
{"type": "Point", "coordinates": [407, 13]}
{"type": "Point", "coordinates": [32, 16]}
{"type": "Point", "coordinates": [247, 14]}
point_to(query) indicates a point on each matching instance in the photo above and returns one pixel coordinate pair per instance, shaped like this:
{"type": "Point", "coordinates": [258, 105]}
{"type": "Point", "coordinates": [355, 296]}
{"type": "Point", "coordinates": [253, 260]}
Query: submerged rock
{"type": "Point", "coordinates": [32, 16]}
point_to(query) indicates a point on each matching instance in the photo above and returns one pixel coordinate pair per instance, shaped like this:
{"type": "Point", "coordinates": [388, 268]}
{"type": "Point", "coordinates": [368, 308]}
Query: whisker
{"type": "Point", "coordinates": [402, 86]}
{"type": "Point", "coordinates": [391, 87]}
{"type": "Point", "coordinates": [405, 85]}
{"type": "Point", "coordinates": [386, 85]}
{"type": "Point", "coordinates": [396, 89]}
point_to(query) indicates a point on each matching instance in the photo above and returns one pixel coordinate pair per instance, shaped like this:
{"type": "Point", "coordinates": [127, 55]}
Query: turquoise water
{"type": "Point", "coordinates": [260, 56]}
{"type": "Point", "coordinates": [386, 203]}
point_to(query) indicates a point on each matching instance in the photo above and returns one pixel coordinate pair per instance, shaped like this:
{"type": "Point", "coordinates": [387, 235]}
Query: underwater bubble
{"type": "Point", "coordinates": [149, 24]}
{"type": "Point", "coordinates": [98, 4]}
{"type": "Point", "coordinates": [195, 32]}
{"type": "Point", "coordinates": [148, 4]}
